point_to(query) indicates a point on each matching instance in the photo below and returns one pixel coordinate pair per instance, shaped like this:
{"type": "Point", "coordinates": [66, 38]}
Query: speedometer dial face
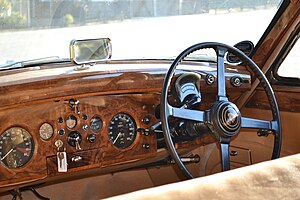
{"type": "Point", "coordinates": [122, 130]}
{"type": "Point", "coordinates": [16, 147]}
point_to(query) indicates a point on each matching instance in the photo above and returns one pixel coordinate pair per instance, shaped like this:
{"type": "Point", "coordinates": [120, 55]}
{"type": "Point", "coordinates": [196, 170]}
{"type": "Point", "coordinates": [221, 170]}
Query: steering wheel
{"type": "Point", "coordinates": [223, 118]}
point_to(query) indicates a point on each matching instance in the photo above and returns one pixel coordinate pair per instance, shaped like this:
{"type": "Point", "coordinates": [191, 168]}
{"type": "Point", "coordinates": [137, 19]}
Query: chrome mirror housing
{"type": "Point", "coordinates": [90, 50]}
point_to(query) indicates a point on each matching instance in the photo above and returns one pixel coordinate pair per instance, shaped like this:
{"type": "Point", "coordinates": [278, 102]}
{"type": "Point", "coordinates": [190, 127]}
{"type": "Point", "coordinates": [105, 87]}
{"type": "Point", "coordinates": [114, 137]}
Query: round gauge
{"type": "Point", "coordinates": [71, 121]}
{"type": "Point", "coordinates": [16, 147]}
{"type": "Point", "coordinates": [122, 130]}
{"type": "Point", "coordinates": [96, 124]}
{"type": "Point", "coordinates": [46, 131]}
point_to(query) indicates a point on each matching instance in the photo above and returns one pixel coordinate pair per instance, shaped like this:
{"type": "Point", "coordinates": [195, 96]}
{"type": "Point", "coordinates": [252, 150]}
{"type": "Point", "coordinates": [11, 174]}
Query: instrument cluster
{"type": "Point", "coordinates": [17, 144]}
{"type": "Point", "coordinates": [68, 136]}
{"type": "Point", "coordinates": [121, 131]}
{"type": "Point", "coordinates": [94, 135]}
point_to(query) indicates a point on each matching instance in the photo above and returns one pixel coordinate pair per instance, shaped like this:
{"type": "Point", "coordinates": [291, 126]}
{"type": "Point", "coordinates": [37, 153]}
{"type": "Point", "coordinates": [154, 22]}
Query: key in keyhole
{"type": "Point", "coordinates": [77, 143]}
{"type": "Point", "coordinates": [60, 157]}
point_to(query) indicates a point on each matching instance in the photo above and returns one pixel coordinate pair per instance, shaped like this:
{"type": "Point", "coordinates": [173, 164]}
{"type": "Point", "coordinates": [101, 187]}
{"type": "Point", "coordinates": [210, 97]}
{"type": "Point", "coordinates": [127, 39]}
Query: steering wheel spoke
{"type": "Point", "coordinates": [258, 124]}
{"type": "Point", "coordinates": [221, 73]}
{"type": "Point", "coordinates": [195, 115]}
{"type": "Point", "coordinates": [224, 148]}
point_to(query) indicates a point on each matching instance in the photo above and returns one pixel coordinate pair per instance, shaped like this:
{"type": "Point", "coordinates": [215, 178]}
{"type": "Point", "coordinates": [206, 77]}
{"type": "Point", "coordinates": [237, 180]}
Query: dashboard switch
{"type": "Point", "coordinates": [74, 104]}
{"type": "Point", "coordinates": [210, 79]}
{"type": "Point", "coordinates": [236, 81]}
{"type": "Point", "coordinates": [60, 120]}
{"type": "Point", "coordinates": [85, 127]}
{"type": "Point", "coordinates": [76, 159]}
{"type": "Point", "coordinates": [143, 131]}
{"type": "Point", "coordinates": [91, 138]}
{"type": "Point", "coordinates": [146, 120]}
{"type": "Point", "coordinates": [84, 117]}
{"type": "Point", "coordinates": [146, 146]}
{"type": "Point", "coordinates": [61, 131]}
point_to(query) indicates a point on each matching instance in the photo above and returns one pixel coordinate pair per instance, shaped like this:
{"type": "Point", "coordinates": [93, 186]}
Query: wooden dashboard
{"type": "Point", "coordinates": [55, 94]}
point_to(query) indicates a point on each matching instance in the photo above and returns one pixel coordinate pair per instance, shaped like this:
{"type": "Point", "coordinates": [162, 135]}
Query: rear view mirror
{"type": "Point", "coordinates": [90, 50]}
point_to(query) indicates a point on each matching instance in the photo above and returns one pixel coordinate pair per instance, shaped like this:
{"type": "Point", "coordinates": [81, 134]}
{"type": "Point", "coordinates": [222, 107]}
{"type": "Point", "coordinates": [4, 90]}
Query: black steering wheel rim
{"type": "Point", "coordinates": [167, 110]}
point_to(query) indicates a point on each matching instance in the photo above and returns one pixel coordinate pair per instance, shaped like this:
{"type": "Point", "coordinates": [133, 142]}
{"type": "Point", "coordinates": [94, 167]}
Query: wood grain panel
{"type": "Point", "coordinates": [31, 97]}
{"type": "Point", "coordinates": [90, 159]}
{"type": "Point", "coordinates": [288, 99]}
{"type": "Point", "coordinates": [49, 83]}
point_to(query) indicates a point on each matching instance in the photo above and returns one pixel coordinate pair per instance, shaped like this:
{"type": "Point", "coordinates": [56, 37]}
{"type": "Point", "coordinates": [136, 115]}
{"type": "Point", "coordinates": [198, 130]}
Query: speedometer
{"type": "Point", "coordinates": [16, 147]}
{"type": "Point", "coordinates": [122, 130]}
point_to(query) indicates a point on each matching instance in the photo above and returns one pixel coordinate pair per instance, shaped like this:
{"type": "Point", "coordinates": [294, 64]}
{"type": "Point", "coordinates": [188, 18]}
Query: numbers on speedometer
{"type": "Point", "coordinates": [16, 147]}
{"type": "Point", "coordinates": [122, 130]}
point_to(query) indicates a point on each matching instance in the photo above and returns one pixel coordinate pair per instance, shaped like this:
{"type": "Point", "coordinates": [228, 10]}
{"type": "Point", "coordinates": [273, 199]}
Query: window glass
{"type": "Point", "coordinates": [291, 64]}
{"type": "Point", "coordinates": [31, 29]}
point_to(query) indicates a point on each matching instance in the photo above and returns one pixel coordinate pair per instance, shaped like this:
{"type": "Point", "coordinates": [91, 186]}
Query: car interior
{"type": "Point", "coordinates": [95, 127]}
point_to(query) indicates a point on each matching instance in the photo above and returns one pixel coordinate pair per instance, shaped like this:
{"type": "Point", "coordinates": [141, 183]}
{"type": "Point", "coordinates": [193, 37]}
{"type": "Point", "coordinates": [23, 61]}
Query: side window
{"type": "Point", "coordinates": [290, 66]}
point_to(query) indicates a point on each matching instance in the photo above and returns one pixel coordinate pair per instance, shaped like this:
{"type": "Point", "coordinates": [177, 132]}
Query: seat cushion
{"type": "Point", "coordinates": [276, 179]}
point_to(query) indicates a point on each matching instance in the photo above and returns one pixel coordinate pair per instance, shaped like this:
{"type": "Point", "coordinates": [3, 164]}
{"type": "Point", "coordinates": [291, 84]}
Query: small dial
{"type": "Point", "coordinates": [71, 121]}
{"type": "Point", "coordinates": [122, 130]}
{"type": "Point", "coordinates": [96, 124]}
{"type": "Point", "coordinates": [74, 139]}
{"type": "Point", "coordinates": [16, 147]}
{"type": "Point", "coordinates": [46, 131]}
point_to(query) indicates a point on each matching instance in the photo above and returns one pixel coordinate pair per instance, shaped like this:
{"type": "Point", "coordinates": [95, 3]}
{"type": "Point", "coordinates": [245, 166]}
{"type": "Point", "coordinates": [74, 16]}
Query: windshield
{"type": "Point", "coordinates": [137, 28]}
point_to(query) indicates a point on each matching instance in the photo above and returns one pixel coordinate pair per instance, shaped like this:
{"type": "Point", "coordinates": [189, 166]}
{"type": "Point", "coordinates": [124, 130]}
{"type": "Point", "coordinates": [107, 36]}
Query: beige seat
{"type": "Point", "coordinates": [276, 179]}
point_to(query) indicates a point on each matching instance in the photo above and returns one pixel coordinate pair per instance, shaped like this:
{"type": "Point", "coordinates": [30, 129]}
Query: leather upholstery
{"type": "Point", "coordinates": [276, 179]}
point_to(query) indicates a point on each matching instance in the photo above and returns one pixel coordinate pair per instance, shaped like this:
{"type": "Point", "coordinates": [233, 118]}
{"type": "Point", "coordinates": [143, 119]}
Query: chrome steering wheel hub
{"type": "Point", "coordinates": [226, 119]}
